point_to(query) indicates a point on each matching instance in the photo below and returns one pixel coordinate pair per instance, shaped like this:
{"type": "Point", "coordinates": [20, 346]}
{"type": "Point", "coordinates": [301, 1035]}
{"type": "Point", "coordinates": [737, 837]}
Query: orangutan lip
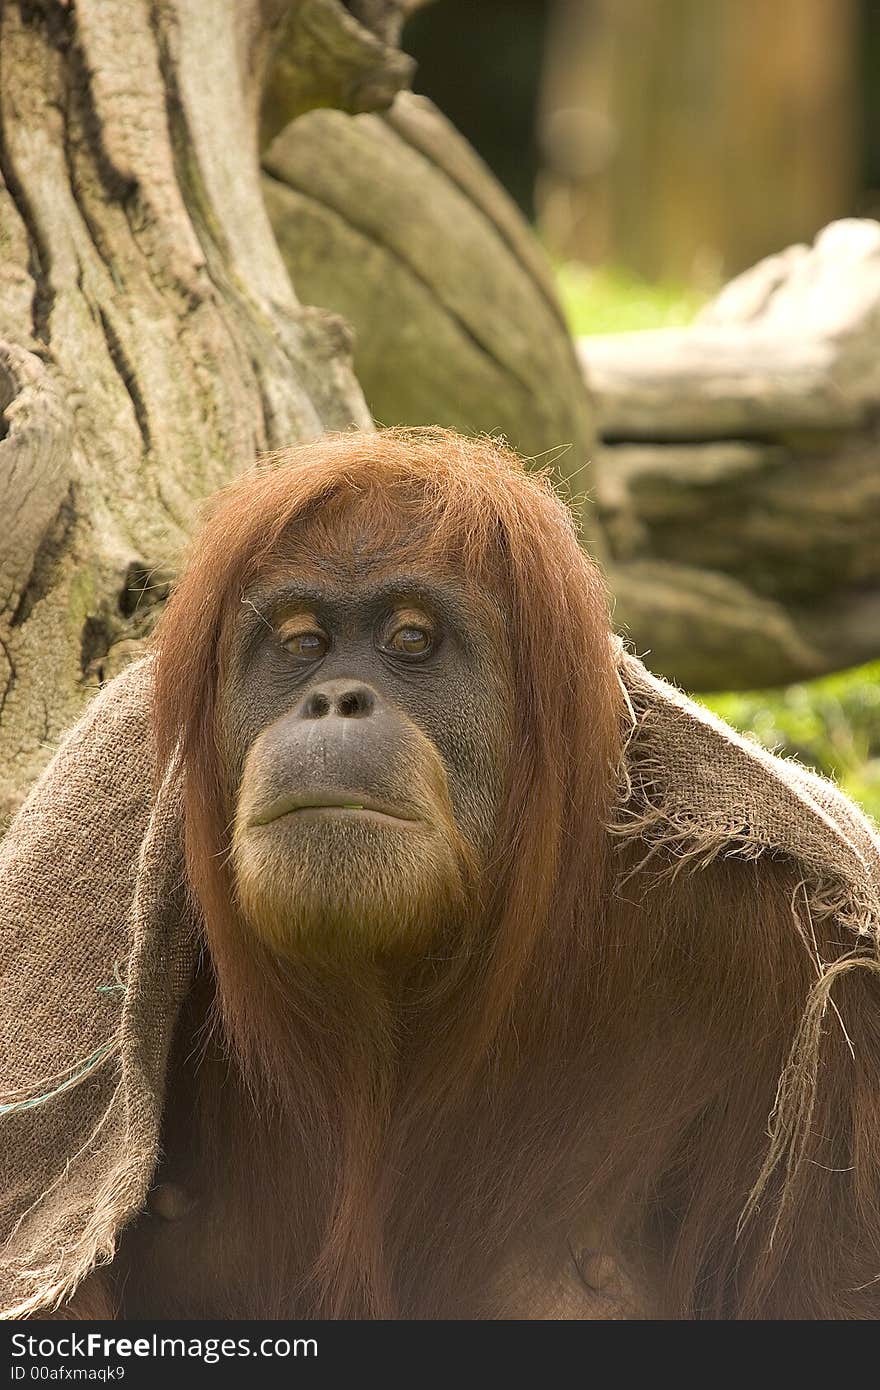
{"type": "Point", "coordinates": [329, 801]}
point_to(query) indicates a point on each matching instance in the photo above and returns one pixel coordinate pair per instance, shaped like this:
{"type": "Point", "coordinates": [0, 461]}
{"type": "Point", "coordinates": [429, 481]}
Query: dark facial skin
{"type": "Point", "coordinates": [365, 722]}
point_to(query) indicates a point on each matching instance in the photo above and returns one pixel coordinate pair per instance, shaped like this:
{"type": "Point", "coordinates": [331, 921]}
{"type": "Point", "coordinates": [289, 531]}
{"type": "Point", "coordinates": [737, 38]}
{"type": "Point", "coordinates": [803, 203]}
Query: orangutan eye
{"type": "Point", "coordinates": [306, 646]}
{"type": "Point", "coordinates": [411, 641]}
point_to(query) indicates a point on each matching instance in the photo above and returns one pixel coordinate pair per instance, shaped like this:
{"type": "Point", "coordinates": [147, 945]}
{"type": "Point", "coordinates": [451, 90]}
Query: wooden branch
{"type": "Point", "coordinates": [738, 477]}
{"type": "Point", "coordinates": [791, 521]}
{"type": "Point", "coordinates": [789, 345]}
{"type": "Point", "coordinates": [714, 383]}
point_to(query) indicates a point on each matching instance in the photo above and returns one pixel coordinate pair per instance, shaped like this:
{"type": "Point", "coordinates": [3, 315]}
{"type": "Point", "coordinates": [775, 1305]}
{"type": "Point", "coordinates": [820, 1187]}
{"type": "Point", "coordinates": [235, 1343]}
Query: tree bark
{"type": "Point", "coordinates": [150, 339]}
{"type": "Point", "coordinates": [738, 478]}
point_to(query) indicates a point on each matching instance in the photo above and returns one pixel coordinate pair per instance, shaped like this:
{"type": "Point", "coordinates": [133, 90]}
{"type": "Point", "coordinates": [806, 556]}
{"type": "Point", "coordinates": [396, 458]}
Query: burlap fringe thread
{"type": "Point", "coordinates": [645, 814]}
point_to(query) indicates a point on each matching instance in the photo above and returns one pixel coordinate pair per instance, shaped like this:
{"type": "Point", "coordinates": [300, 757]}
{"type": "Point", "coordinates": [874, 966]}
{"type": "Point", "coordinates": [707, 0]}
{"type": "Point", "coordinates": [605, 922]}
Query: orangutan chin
{"type": "Point", "coordinates": [449, 1046]}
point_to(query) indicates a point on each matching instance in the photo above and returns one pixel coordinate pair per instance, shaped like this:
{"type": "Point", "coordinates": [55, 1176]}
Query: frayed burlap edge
{"type": "Point", "coordinates": [164, 948]}
{"type": "Point", "coordinates": [676, 837]}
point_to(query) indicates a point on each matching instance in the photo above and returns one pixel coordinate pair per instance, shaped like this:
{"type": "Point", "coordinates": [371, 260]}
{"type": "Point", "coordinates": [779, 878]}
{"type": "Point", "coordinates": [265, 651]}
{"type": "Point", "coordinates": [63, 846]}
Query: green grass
{"type": "Point", "coordinates": [833, 724]}
{"type": "Point", "coordinates": [612, 301]}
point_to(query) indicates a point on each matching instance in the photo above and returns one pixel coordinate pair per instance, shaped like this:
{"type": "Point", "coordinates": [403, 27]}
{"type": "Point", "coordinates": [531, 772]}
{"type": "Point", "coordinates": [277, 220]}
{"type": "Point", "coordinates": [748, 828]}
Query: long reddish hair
{"type": "Point", "coordinates": [593, 1050]}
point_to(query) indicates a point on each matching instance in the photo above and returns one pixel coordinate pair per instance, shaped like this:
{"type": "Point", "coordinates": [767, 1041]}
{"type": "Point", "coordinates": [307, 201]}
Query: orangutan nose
{"type": "Point", "coordinates": [345, 698]}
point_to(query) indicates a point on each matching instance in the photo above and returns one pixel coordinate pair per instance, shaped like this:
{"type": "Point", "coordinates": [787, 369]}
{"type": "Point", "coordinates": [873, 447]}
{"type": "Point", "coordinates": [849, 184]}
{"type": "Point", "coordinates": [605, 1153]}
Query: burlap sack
{"type": "Point", "coordinates": [97, 944]}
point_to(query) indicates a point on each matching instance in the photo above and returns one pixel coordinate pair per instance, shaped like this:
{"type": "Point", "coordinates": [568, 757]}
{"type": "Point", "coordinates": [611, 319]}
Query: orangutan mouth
{"type": "Point", "coordinates": [315, 804]}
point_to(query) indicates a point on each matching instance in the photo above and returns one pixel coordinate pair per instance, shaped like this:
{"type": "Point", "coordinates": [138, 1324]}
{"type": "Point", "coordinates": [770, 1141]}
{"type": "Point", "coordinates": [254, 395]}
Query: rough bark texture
{"type": "Point", "coordinates": [395, 223]}
{"type": "Point", "coordinates": [739, 473]}
{"type": "Point", "coordinates": [150, 340]}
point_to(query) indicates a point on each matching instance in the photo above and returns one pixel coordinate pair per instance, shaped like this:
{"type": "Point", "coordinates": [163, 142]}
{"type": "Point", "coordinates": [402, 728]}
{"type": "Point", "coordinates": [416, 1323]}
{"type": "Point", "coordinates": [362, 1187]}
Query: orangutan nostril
{"type": "Point", "coordinates": [354, 703]}
{"type": "Point", "coordinates": [317, 706]}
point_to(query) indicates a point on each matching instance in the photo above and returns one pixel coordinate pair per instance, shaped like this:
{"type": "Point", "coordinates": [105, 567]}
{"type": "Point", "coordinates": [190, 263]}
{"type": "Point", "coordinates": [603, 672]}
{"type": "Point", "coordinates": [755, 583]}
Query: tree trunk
{"type": "Point", "coordinates": [738, 478]}
{"type": "Point", "coordinates": [150, 340]}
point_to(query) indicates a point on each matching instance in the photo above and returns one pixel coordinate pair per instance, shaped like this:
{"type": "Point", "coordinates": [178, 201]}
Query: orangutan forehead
{"type": "Point", "coordinates": [351, 557]}
{"type": "Point", "coordinates": [355, 586]}
{"type": "Point", "coordinates": [386, 528]}
{"type": "Point", "coordinates": [354, 543]}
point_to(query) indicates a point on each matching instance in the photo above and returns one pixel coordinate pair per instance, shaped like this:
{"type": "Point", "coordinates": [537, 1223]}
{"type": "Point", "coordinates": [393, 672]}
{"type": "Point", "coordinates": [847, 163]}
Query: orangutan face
{"type": "Point", "coordinates": [366, 722]}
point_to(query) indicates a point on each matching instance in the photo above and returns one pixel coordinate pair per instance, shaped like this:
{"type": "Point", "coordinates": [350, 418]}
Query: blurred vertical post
{"type": "Point", "coordinates": [686, 139]}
